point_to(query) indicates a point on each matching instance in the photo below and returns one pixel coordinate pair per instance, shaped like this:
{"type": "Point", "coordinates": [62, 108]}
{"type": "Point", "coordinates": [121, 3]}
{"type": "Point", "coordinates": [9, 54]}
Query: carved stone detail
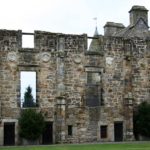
{"type": "Point", "coordinates": [77, 59]}
{"type": "Point", "coordinates": [12, 57]}
{"type": "Point", "coordinates": [45, 57]}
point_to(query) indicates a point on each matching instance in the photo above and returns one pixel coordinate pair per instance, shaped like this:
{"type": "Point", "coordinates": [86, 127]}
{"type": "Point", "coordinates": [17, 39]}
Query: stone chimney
{"type": "Point", "coordinates": [111, 28]}
{"type": "Point", "coordinates": [138, 12]}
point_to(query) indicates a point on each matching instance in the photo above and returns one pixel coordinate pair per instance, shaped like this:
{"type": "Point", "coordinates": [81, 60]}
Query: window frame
{"type": "Point", "coordinates": [35, 98]}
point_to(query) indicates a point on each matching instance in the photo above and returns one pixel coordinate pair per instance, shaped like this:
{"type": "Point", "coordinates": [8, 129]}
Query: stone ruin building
{"type": "Point", "coordinates": [85, 94]}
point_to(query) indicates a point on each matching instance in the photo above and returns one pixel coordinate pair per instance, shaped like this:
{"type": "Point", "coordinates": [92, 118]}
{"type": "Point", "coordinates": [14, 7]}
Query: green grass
{"type": "Point", "coordinates": [131, 146]}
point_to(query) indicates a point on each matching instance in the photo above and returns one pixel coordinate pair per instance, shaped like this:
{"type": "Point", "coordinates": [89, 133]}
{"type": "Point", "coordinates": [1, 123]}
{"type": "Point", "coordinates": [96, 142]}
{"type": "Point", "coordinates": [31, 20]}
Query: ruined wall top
{"type": "Point", "coordinates": [12, 40]}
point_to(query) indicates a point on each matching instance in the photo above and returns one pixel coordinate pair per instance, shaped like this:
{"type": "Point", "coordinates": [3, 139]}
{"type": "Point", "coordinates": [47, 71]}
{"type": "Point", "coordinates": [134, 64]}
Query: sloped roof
{"type": "Point", "coordinates": [139, 29]}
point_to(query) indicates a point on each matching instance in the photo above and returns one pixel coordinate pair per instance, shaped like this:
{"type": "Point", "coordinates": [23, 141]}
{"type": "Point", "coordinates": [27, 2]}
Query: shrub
{"type": "Point", "coordinates": [142, 120]}
{"type": "Point", "coordinates": [31, 124]}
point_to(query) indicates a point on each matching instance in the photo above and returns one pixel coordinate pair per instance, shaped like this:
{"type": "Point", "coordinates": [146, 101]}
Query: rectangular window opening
{"type": "Point", "coordinates": [101, 97]}
{"type": "Point", "coordinates": [70, 130]}
{"type": "Point", "coordinates": [28, 88]}
{"type": "Point", "coordinates": [103, 130]}
{"type": "Point", "coordinates": [27, 41]}
{"type": "Point", "coordinates": [88, 43]}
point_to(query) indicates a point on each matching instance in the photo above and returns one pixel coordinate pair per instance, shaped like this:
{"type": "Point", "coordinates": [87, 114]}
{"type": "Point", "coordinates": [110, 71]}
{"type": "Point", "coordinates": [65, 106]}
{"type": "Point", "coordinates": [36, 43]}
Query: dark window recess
{"type": "Point", "coordinates": [103, 132]}
{"type": "Point", "coordinates": [102, 98]}
{"type": "Point", "coordinates": [70, 130]}
{"type": "Point", "coordinates": [93, 91]}
{"type": "Point", "coordinates": [89, 77]}
{"type": "Point", "coordinates": [92, 95]}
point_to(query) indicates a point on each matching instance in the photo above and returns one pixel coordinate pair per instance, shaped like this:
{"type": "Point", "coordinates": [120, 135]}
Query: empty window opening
{"type": "Point", "coordinates": [103, 130]}
{"type": "Point", "coordinates": [88, 43]}
{"type": "Point", "coordinates": [28, 88]}
{"type": "Point", "coordinates": [70, 130]}
{"type": "Point", "coordinates": [27, 41]}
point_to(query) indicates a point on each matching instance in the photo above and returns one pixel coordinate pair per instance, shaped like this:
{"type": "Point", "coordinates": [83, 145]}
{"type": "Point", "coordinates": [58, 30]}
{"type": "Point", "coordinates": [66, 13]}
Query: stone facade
{"type": "Point", "coordinates": [88, 95]}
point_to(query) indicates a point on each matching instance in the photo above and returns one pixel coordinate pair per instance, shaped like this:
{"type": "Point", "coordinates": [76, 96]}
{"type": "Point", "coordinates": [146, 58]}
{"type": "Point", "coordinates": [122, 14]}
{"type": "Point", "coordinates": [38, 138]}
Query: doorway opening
{"type": "Point", "coordinates": [47, 137]}
{"type": "Point", "coordinates": [9, 133]}
{"type": "Point", "coordinates": [118, 131]}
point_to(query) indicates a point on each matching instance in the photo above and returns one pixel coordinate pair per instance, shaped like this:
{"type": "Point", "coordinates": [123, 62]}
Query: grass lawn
{"type": "Point", "coordinates": [123, 146]}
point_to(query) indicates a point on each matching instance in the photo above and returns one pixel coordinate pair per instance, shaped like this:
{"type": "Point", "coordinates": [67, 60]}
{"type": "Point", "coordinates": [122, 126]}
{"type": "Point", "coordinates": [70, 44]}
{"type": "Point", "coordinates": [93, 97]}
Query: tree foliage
{"type": "Point", "coordinates": [31, 124]}
{"type": "Point", "coordinates": [142, 120]}
{"type": "Point", "coordinates": [28, 98]}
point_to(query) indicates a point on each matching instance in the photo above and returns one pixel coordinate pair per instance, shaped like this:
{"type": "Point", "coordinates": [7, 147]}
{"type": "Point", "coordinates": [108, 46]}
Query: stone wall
{"type": "Point", "coordinates": [126, 79]}
{"type": "Point", "coordinates": [9, 47]}
{"type": "Point", "coordinates": [58, 61]}
{"type": "Point", "coordinates": [113, 84]}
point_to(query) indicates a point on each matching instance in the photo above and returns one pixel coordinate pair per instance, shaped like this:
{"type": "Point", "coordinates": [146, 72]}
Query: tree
{"type": "Point", "coordinates": [142, 120]}
{"type": "Point", "coordinates": [28, 98]}
{"type": "Point", "coordinates": [31, 124]}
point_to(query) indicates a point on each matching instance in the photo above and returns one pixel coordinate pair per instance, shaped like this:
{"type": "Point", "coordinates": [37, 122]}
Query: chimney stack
{"type": "Point", "coordinates": [111, 28]}
{"type": "Point", "coordinates": [138, 12]}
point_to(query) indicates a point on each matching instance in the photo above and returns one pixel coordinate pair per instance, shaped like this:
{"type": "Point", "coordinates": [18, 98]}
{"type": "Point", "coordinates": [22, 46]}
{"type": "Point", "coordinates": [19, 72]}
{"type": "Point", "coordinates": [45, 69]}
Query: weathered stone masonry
{"type": "Point", "coordinates": [85, 95]}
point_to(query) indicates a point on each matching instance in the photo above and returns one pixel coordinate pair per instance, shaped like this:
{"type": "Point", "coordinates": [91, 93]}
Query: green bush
{"type": "Point", "coordinates": [142, 120]}
{"type": "Point", "coordinates": [31, 124]}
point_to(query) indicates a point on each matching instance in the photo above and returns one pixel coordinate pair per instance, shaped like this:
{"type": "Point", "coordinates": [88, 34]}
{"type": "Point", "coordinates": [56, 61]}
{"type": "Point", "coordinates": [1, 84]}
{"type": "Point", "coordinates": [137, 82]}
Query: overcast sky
{"type": "Point", "coordinates": [65, 16]}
